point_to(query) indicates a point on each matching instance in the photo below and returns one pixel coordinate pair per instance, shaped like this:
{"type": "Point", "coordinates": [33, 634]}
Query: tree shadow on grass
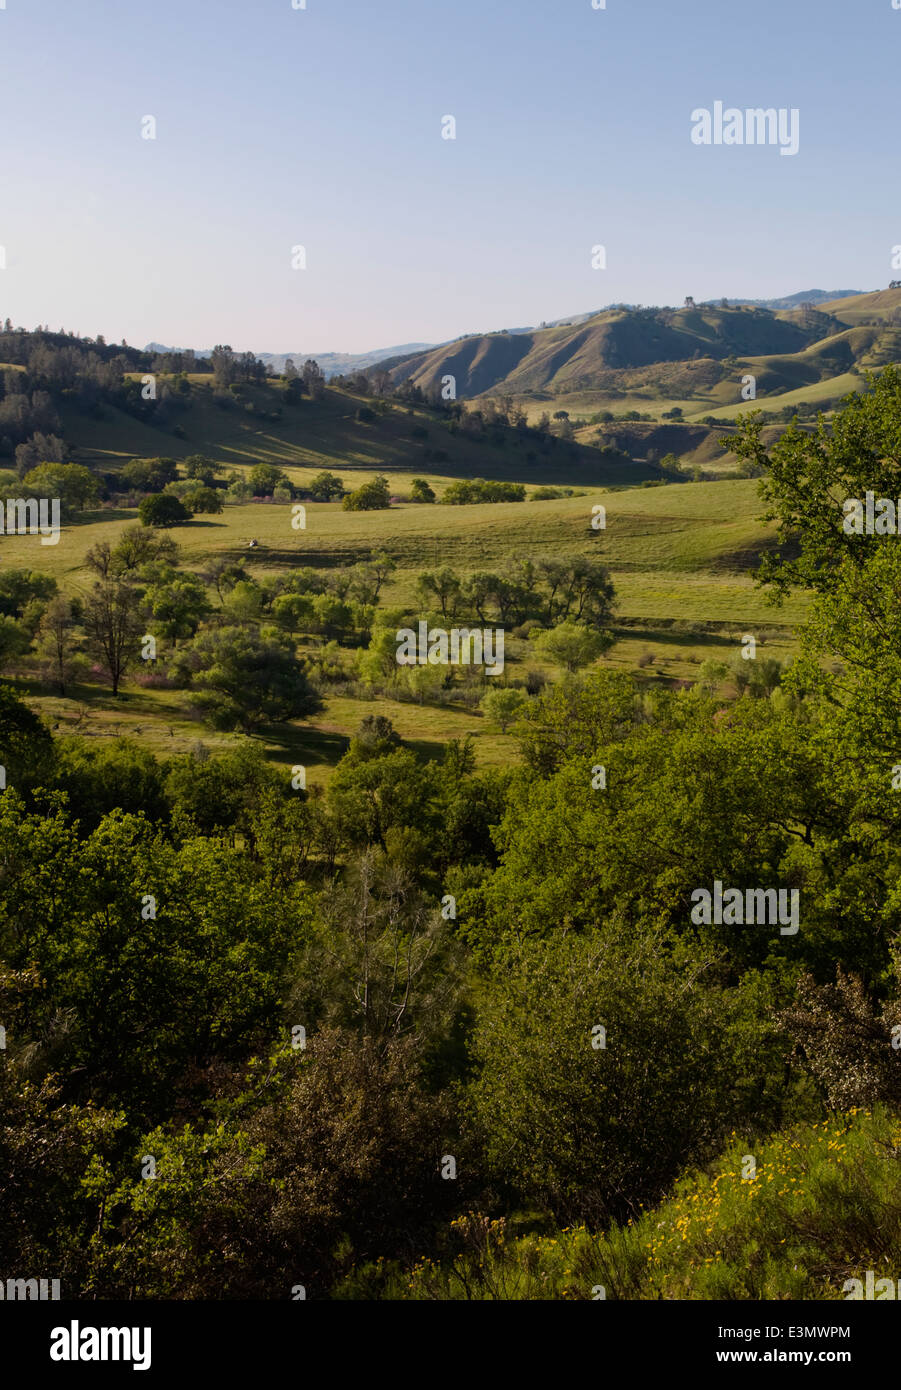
{"type": "Point", "coordinates": [426, 750]}
{"type": "Point", "coordinates": [313, 746]}
{"type": "Point", "coordinates": [679, 637]}
{"type": "Point", "coordinates": [308, 744]}
{"type": "Point", "coordinates": [102, 514]}
{"type": "Point", "coordinates": [98, 696]}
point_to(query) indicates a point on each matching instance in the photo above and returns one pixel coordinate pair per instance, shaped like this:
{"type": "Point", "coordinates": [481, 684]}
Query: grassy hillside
{"type": "Point", "coordinates": [824, 395]}
{"type": "Point", "coordinates": [568, 357]}
{"type": "Point", "coordinates": [329, 434]}
{"type": "Point", "coordinates": [880, 304]}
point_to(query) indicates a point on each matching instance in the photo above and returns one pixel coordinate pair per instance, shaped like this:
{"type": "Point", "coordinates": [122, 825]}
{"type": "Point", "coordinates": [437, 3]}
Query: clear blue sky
{"type": "Point", "coordinates": [322, 127]}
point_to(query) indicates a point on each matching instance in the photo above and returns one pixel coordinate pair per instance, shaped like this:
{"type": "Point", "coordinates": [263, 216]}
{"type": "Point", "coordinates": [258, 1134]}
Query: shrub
{"type": "Point", "coordinates": [588, 1131]}
{"type": "Point", "coordinates": [265, 478]}
{"type": "Point", "coordinates": [204, 500]}
{"type": "Point", "coordinates": [550, 494]}
{"type": "Point", "coordinates": [374, 496]}
{"type": "Point", "coordinates": [502, 706]}
{"type": "Point", "coordinates": [465, 492]}
{"type": "Point", "coordinates": [571, 645]}
{"type": "Point", "coordinates": [162, 509]}
{"type": "Point", "coordinates": [325, 486]}
{"type": "Point", "coordinates": [149, 475]}
{"type": "Point", "coordinates": [421, 491]}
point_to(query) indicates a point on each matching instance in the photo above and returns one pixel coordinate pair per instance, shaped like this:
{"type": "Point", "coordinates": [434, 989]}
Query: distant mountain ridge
{"type": "Point", "coordinates": [338, 363]}
{"type": "Point", "coordinates": [332, 363]}
{"type": "Point", "coordinates": [794, 301]}
{"type": "Point", "coordinates": [652, 353]}
{"type": "Point", "coordinates": [790, 301]}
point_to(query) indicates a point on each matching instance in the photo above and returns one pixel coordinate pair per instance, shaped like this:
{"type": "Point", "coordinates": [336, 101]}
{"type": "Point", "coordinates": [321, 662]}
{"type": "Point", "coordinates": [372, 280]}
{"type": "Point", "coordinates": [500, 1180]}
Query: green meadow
{"type": "Point", "coordinates": [681, 557]}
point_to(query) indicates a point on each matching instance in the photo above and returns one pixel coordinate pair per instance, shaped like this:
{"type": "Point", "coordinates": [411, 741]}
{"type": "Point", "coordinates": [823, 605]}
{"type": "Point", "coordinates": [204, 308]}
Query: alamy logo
{"type": "Point", "coordinates": [76, 1343]}
{"type": "Point", "coordinates": [30, 516]}
{"type": "Point", "coordinates": [41, 1290]}
{"type": "Point", "coordinates": [751, 906]}
{"type": "Point", "coordinates": [875, 516]}
{"type": "Point", "coordinates": [855, 1289]}
{"type": "Point", "coordinates": [460, 646]}
{"type": "Point", "coordinates": [753, 126]}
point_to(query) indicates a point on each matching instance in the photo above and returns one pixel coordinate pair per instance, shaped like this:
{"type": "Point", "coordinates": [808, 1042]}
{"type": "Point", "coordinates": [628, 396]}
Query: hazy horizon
{"type": "Point", "coordinates": [378, 347]}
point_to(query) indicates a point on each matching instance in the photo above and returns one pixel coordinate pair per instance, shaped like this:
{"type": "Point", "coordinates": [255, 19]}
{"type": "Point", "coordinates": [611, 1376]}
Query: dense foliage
{"type": "Point", "coordinates": [388, 1038]}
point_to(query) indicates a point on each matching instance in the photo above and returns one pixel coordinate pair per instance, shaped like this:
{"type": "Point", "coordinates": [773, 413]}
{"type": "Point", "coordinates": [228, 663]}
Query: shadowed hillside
{"type": "Point", "coordinates": [557, 358]}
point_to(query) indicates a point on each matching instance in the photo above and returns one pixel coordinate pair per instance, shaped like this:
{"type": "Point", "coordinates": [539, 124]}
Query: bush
{"type": "Point", "coordinates": [265, 478]}
{"type": "Point", "coordinates": [844, 1040]}
{"type": "Point", "coordinates": [466, 493]}
{"type": "Point", "coordinates": [324, 487]}
{"type": "Point", "coordinates": [162, 509]}
{"type": "Point", "coordinates": [374, 496]}
{"type": "Point", "coordinates": [571, 645]}
{"type": "Point", "coordinates": [502, 706]}
{"type": "Point", "coordinates": [204, 500]}
{"type": "Point", "coordinates": [339, 1162]}
{"type": "Point", "coordinates": [421, 491]}
{"type": "Point", "coordinates": [588, 1131]}
{"type": "Point", "coordinates": [75, 486]}
{"type": "Point", "coordinates": [149, 475]}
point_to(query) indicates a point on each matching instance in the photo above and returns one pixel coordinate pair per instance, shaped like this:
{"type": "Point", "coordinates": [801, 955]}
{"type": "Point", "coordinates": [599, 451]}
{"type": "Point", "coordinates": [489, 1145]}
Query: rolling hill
{"type": "Point", "coordinates": [341, 432]}
{"type": "Point", "coordinates": [574, 356]}
{"type": "Point", "coordinates": [694, 357]}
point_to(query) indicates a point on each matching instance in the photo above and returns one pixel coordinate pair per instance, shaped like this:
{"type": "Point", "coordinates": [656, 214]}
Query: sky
{"type": "Point", "coordinates": [321, 127]}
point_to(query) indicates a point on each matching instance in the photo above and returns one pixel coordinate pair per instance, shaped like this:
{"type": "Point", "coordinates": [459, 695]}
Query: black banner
{"type": "Point", "coordinates": [233, 1340]}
